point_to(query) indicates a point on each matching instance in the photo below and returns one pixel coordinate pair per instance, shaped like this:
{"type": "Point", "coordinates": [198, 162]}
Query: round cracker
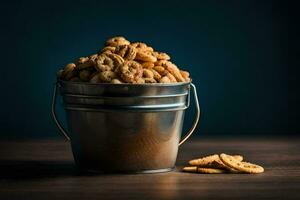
{"type": "Point", "coordinates": [203, 170]}
{"type": "Point", "coordinates": [212, 161]}
{"type": "Point", "coordinates": [238, 157]}
{"type": "Point", "coordinates": [218, 163]}
{"type": "Point", "coordinates": [210, 170]}
{"type": "Point", "coordinates": [190, 169]}
{"type": "Point", "coordinates": [241, 166]}
{"type": "Point", "coordinates": [204, 161]}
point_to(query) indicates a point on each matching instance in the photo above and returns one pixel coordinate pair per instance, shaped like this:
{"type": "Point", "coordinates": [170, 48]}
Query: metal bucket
{"type": "Point", "coordinates": [125, 127]}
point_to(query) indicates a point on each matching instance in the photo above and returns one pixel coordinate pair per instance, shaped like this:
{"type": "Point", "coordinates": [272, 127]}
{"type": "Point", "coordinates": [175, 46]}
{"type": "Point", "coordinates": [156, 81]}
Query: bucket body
{"type": "Point", "coordinates": [125, 127]}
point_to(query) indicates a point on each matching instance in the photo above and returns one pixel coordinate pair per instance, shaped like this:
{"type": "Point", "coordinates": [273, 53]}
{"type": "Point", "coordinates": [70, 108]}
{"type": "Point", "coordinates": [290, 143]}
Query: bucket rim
{"type": "Point", "coordinates": [126, 84]}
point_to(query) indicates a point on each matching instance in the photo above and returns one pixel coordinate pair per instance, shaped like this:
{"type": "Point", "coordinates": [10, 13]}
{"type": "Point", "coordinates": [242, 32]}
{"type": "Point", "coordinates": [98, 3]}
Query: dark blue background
{"type": "Point", "coordinates": [236, 52]}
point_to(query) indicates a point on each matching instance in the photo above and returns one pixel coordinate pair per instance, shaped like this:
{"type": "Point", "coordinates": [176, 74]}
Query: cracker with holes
{"type": "Point", "coordinates": [203, 170]}
{"type": "Point", "coordinates": [213, 161]}
{"type": "Point", "coordinates": [110, 65]}
{"type": "Point", "coordinates": [241, 166]}
{"type": "Point", "coordinates": [222, 163]}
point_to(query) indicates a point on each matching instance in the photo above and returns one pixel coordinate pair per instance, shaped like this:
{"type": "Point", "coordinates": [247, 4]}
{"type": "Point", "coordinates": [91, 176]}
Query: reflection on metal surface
{"type": "Point", "coordinates": [126, 128]}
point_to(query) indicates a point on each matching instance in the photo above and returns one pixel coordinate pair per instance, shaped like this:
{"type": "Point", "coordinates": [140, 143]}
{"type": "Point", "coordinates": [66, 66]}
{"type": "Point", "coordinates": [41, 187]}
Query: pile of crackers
{"type": "Point", "coordinates": [122, 61]}
{"type": "Point", "coordinates": [223, 163]}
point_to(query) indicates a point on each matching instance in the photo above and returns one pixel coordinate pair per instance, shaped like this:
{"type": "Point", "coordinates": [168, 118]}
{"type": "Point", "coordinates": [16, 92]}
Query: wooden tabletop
{"type": "Point", "coordinates": [44, 169]}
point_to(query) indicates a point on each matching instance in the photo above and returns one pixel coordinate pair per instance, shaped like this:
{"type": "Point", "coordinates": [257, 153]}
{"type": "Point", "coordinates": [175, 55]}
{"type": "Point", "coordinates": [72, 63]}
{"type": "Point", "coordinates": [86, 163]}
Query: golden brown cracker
{"type": "Point", "coordinates": [145, 56]}
{"type": "Point", "coordinates": [204, 160]}
{"type": "Point", "coordinates": [117, 41]}
{"type": "Point", "coordinates": [203, 170]}
{"type": "Point", "coordinates": [241, 166]}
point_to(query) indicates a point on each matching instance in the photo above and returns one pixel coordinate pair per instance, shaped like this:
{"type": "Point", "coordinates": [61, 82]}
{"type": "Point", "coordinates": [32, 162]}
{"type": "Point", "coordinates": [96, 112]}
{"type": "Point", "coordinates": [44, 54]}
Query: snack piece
{"type": "Point", "coordinates": [161, 70]}
{"type": "Point", "coordinates": [126, 51]}
{"type": "Point", "coordinates": [84, 62]}
{"type": "Point", "coordinates": [203, 170]}
{"type": "Point", "coordinates": [161, 63]}
{"type": "Point", "coordinates": [190, 169]}
{"type": "Point", "coordinates": [185, 75]}
{"type": "Point", "coordinates": [204, 161]}
{"type": "Point", "coordinates": [241, 166]}
{"type": "Point", "coordinates": [147, 64]}
{"type": "Point", "coordinates": [145, 56]}
{"type": "Point", "coordinates": [161, 56]}
{"type": "Point", "coordinates": [117, 41]}
{"type": "Point", "coordinates": [108, 49]}
{"type": "Point", "coordinates": [68, 69]}
{"type": "Point", "coordinates": [93, 58]}
{"type": "Point", "coordinates": [95, 78]}
{"type": "Point", "coordinates": [150, 80]}
{"type": "Point", "coordinates": [171, 77]}
{"type": "Point", "coordinates": [143, 65]}
{"type": "Point", "coordinates": [165, 79]}
{"type": "Point", "coordinates": [84, 75]}
{"type": "Point", "coordinates": [173, 69]}
{"type": "Point", "coordinates": [104, 63]}
{"type": "Point", "coordinates": [117, 60]}
{"type": "Point", "coordinates": [141, 46]}
{"type": "Point", "coordinates": [116, 81]}
{"type": "Point", "coordinates": [210, 170]}
{"type": "Point", "coordinates": [139, 81]}
{"type": "Point", "coordinates": [107, 76]}
{"type": "Point", "coordinates": [218, 164]}
{"type": "Point", "coordinates": [131, 71]}
{"type": "Point", "coordinates": [147, 73]}
{"type": "Point", "coordinates": [156, 75]}
{"type": "Point", "coordinates": [70, 73]}
{"type": "Point", "coordinates": [213, 161]}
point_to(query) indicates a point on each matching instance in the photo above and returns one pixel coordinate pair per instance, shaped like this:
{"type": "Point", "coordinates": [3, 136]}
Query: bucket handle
{"type": "Point", "coordinates": [60, 127]}
{"type": "Point", "coordinates": [187, 135]}
{"type": "Point", "coordinates": [197, 117]}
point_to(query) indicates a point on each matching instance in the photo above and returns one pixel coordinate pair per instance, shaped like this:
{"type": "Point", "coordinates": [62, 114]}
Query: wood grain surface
{"type": "Point", "coordinates": [44, 169]}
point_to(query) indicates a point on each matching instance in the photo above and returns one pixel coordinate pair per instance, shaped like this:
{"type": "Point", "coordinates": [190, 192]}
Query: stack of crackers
{"type": "Point", "coordinates": [223, 163]}
{"type": "Point", "coordinates": [121, 61]}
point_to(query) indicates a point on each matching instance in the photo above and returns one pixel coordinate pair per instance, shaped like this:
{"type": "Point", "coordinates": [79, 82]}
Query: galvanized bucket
{"type": "Point", "coordinates": [125, 127]}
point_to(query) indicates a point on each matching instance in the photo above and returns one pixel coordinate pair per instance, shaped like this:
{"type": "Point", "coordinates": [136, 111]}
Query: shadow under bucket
{"type": "Point", "coordinates": [127, 128]}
